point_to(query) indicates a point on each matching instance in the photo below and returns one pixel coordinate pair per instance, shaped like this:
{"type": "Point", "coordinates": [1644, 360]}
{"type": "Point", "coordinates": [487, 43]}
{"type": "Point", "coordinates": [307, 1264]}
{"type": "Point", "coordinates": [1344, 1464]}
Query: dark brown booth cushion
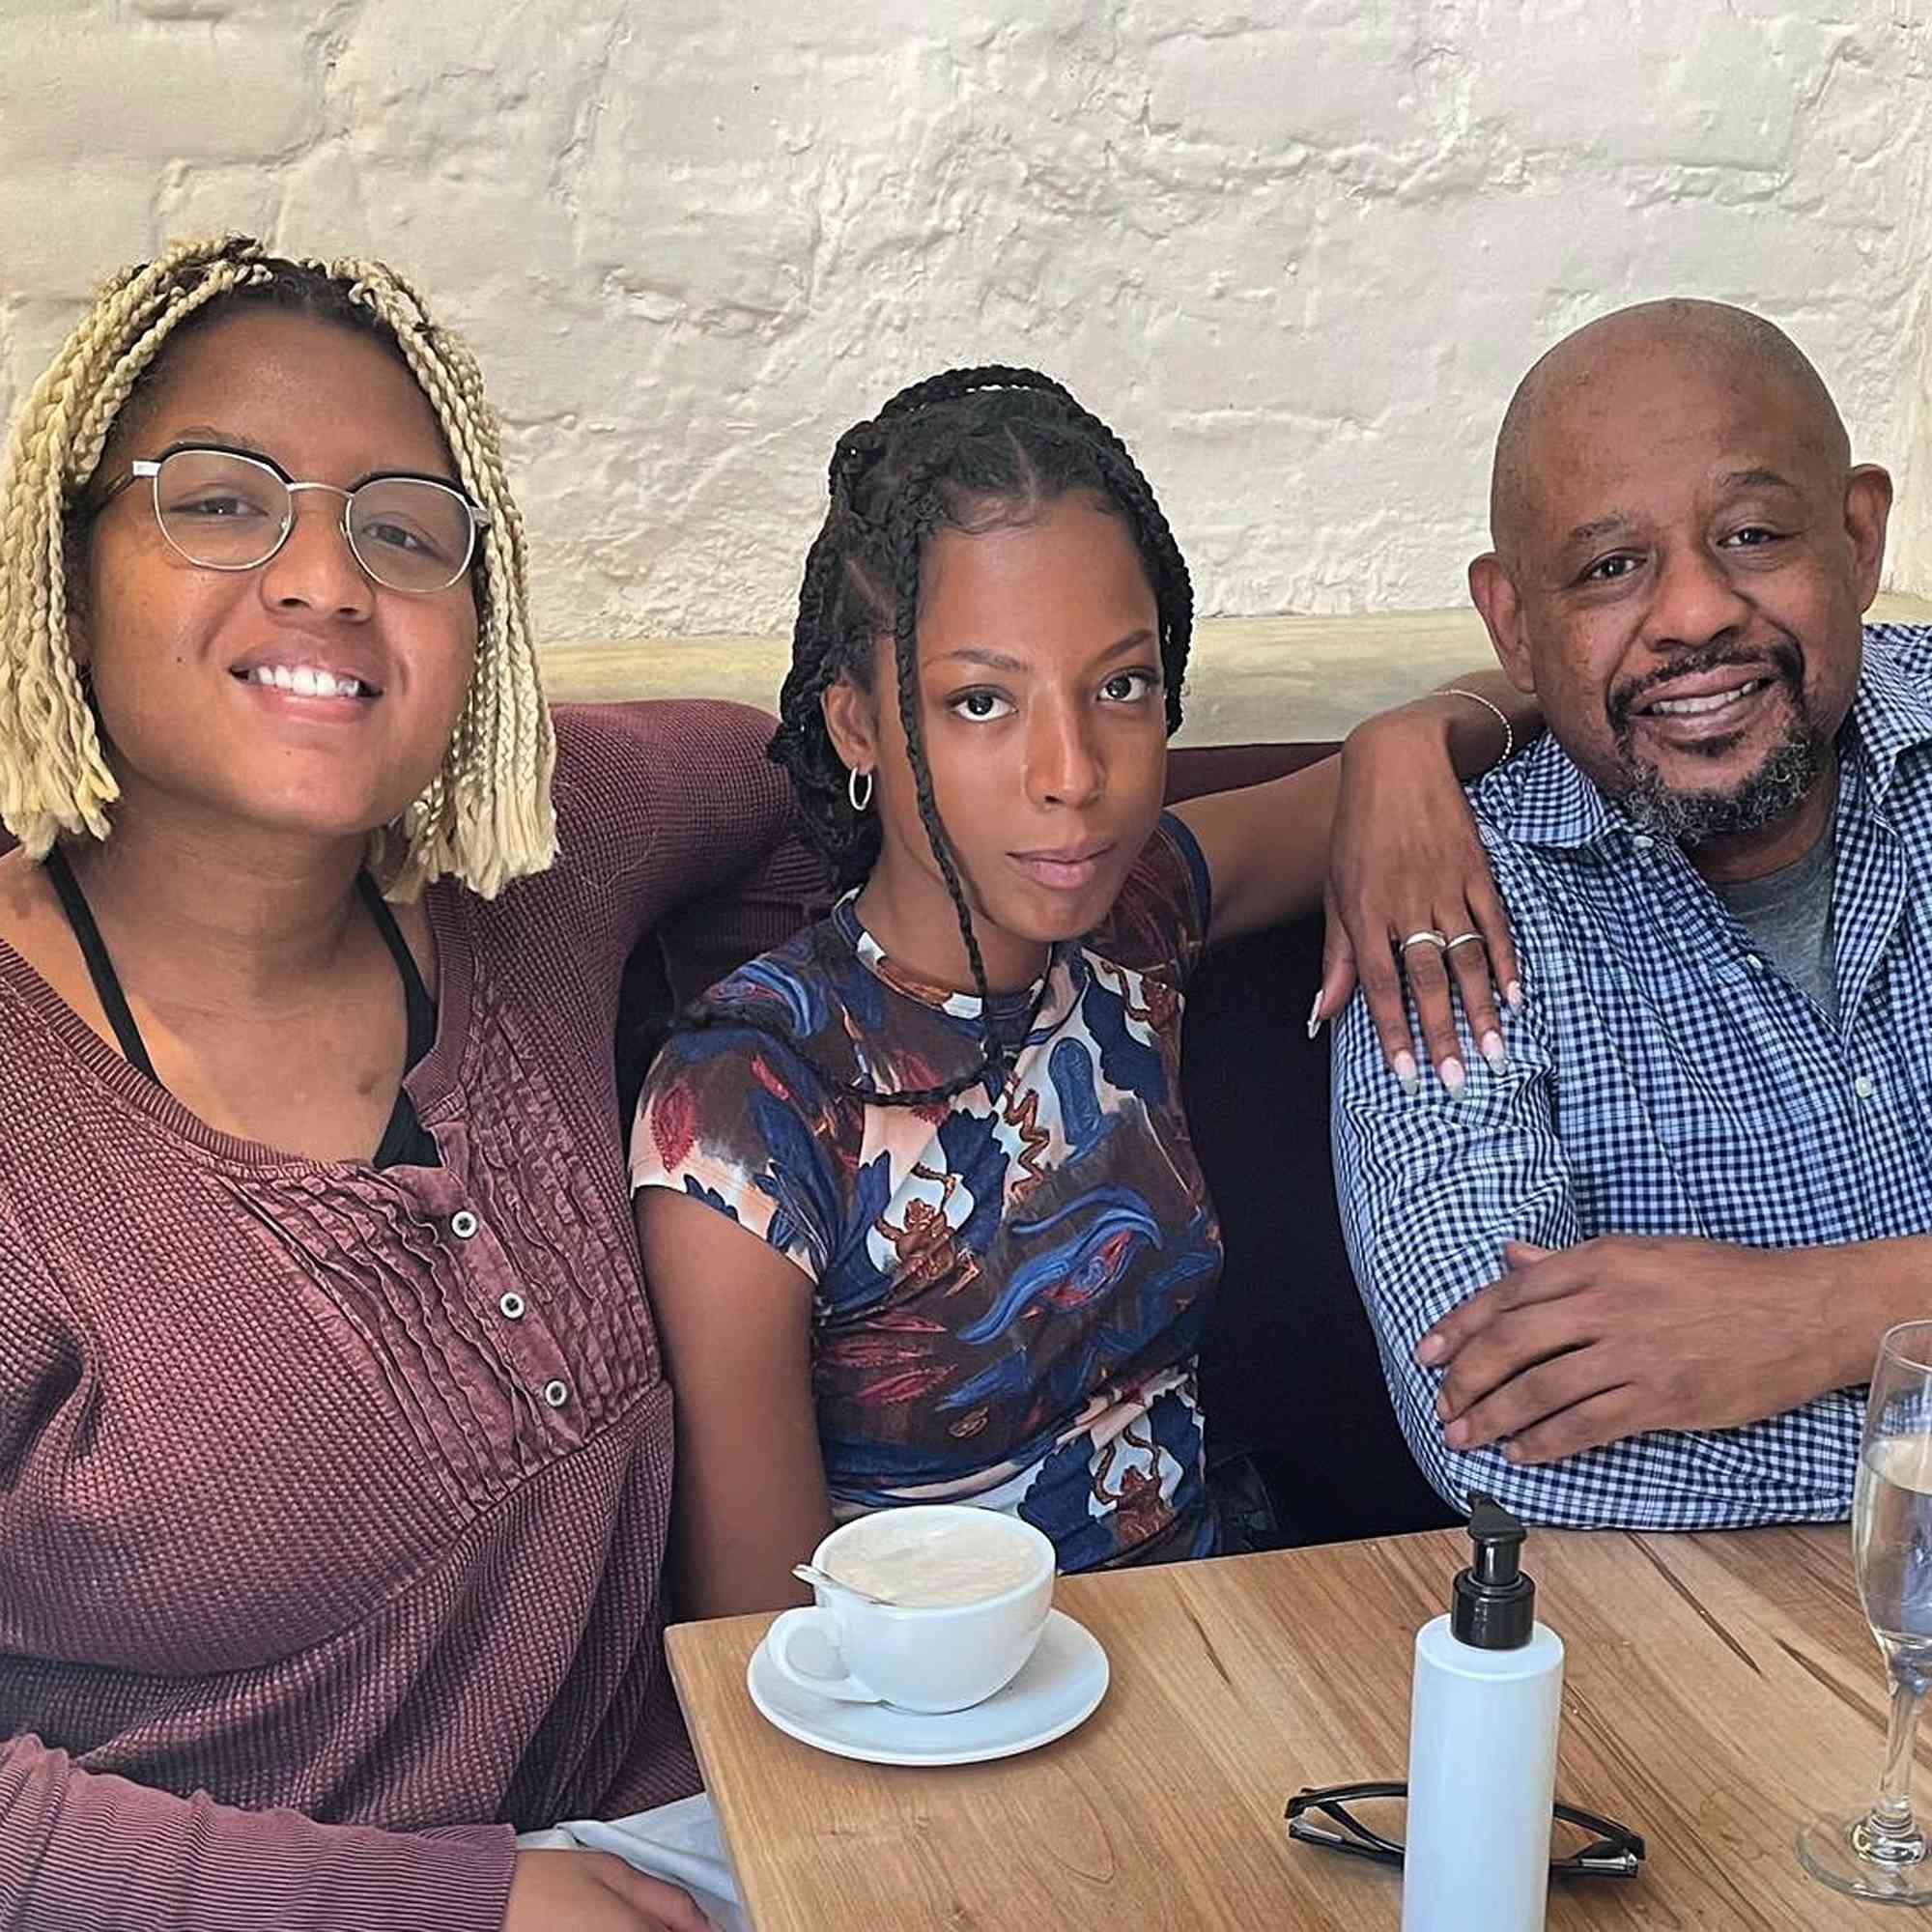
{"type": "Point", "coordinates": [1288, 1372]}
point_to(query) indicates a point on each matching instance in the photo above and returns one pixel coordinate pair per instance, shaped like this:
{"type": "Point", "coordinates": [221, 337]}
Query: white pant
{"type": "Point", "coordinates": [679, 1842]}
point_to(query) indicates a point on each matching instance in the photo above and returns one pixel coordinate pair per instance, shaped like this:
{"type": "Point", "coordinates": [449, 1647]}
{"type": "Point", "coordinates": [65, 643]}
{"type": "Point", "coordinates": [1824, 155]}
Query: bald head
{"type": "Point", "coordinates": [1683, 557]}
{"type": "Point", "coordinates": [1734, 348]}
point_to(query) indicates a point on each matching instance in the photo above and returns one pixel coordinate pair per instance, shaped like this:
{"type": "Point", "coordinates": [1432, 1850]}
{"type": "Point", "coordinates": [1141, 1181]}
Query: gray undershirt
{"type": "Point", "coordinates": [1788, 915]}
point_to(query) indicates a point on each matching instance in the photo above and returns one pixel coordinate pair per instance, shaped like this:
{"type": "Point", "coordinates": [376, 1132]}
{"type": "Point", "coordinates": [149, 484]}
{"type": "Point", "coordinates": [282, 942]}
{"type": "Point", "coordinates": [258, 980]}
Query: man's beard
{"type": "Point", "coordinates": [1771, 793]}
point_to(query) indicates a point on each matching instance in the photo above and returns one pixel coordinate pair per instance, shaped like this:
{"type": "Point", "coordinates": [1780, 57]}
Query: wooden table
{"type": "Point", "coordinates": [1718, 1690]}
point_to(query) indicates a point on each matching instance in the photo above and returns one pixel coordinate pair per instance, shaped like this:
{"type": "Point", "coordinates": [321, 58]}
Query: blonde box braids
{"type": "Point", "coordinates": [486, 819]}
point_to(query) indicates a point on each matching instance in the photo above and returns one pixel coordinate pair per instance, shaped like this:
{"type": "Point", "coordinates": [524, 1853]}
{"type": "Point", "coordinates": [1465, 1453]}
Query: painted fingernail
{"type": "Point", "coordinates": [1513, 993]}
{"type": "Point", "coordinates": [1451, 1075]}
{"type": "Point", "coordinates": [1430, 1350]}
{"type": "Point", "coordinates": [1405, 1071]}
{"type": "Point", "coordinates": [1495, 1052]}
{"type": "Point", "coordinates": [1315, 1017]}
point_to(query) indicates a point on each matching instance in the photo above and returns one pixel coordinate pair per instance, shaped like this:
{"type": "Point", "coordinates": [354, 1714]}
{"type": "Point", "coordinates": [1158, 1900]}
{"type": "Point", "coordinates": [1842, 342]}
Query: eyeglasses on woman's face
{"type": "Point", "coordinates": [224, 510]}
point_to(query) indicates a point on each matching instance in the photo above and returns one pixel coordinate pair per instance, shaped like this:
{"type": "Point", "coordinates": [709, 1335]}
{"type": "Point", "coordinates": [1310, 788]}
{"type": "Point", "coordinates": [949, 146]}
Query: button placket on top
{"type": "Point", "coordinates": [514, 1326]}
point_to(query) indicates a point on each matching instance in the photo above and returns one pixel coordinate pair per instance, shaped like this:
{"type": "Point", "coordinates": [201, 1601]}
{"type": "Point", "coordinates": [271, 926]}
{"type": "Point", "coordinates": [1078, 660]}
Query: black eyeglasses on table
{"type": "Point", "coordinates": [1611, 1851]}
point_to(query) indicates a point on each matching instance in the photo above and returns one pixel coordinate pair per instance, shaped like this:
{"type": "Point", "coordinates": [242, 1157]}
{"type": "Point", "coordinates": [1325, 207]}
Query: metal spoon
{"type": "Point", "coordinates": [808, 1573]}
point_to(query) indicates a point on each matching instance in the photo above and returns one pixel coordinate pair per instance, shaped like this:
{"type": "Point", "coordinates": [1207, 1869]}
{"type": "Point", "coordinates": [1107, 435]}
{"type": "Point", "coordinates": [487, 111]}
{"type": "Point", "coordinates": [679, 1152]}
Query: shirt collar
{"type": "Point", "coordinates": [1010, 1009]}
{"type": "Point", "coordinates": [1544, 799]}
{"type": "Point", "coordinates": [1892, 711]}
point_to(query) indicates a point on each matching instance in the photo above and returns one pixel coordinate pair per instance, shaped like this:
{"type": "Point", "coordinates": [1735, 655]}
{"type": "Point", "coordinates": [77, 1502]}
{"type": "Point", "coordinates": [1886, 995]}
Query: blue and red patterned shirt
{"type": "Point", "coordinates": [1008, 1289]}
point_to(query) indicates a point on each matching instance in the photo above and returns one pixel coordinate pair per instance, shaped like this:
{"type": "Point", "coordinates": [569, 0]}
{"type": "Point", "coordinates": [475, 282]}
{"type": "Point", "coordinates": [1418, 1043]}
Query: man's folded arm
{"type": "Point", "coordinates": [1430, 1190]}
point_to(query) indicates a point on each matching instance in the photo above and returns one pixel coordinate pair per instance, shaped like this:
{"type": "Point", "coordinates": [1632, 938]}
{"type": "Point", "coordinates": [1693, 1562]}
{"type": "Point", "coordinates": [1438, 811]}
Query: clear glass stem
{"type": "Point", "coordinates": [1888, 1835]}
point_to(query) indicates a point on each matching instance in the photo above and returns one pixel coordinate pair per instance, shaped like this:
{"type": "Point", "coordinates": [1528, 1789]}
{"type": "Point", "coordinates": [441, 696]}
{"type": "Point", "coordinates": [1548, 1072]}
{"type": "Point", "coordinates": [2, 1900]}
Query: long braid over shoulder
{"type": "Point", "coordinates": [486, 819]}
{"type": "Point", "coordinates": [969, 450]}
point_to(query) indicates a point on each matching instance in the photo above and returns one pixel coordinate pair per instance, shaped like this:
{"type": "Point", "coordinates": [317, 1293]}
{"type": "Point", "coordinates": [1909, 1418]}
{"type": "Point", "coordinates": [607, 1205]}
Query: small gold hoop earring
{"type": "Point", "coordinates": [859, 789]}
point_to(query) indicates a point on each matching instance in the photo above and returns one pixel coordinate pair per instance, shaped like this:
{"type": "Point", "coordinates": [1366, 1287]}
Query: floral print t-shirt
{"type": "Point", "coordinates": [1007, 1290]}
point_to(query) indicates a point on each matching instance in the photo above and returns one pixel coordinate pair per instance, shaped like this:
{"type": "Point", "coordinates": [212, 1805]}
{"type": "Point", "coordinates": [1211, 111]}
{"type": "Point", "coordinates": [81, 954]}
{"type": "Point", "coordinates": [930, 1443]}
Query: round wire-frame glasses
{"type": "Point", "coordinates": [226, 509]}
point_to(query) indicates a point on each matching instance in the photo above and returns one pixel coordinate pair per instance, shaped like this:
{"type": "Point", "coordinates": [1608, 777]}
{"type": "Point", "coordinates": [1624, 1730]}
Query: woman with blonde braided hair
{"type": "Point", "coordinates": [337, 1451]}
{"type": "Point", "coordinates": [486, 817]}
{"type": "Point", "coordinates": [919, 1207]}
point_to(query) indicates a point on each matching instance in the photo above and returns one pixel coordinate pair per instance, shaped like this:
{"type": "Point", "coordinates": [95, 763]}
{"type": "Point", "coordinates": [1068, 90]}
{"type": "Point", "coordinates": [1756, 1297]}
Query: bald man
{"type": "Point", "coordinates": [1636, 1272]}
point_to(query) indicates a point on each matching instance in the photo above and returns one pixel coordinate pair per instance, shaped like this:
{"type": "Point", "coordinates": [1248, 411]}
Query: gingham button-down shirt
{"type": "Point", "coordinates": [1664, 1079]}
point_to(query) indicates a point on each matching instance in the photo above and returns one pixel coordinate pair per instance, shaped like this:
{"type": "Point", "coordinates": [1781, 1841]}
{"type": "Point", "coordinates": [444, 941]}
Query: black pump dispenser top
{"type": "Point", "coordinates": [1495, 1608]}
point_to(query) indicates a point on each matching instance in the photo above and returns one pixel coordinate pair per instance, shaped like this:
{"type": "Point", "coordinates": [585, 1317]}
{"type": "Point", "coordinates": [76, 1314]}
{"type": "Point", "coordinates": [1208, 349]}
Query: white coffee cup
{"type": "Point", "coordinates": [922, 1656]}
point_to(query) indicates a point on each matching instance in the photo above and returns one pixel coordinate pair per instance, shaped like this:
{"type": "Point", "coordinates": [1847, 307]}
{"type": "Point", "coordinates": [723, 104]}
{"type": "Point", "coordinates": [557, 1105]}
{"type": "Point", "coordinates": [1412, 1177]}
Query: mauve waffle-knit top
{"type": "Point", "coordinates": [333, 1500]}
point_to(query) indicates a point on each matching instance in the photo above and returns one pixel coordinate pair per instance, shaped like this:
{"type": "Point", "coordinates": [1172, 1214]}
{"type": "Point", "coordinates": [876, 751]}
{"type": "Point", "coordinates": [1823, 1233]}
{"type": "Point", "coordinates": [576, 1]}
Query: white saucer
{"type": "Point", "coordinates": [1063, 1681]}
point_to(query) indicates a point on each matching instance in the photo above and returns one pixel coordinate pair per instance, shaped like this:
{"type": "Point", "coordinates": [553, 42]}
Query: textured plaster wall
{"type": "Point", "coordinates": [1297, 250]}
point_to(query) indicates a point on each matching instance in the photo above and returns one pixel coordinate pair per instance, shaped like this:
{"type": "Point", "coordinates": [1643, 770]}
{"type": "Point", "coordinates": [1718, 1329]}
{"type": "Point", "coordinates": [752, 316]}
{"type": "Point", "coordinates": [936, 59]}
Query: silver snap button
{"type": "Point", "coordinates": [511, 1306]}
{"type": "Point", "coordinates": [1863, 1086]}
{"type": "Point", "coordinates": [463, 1224]}
{"type": "Point", "coordinates": [557, 1392]}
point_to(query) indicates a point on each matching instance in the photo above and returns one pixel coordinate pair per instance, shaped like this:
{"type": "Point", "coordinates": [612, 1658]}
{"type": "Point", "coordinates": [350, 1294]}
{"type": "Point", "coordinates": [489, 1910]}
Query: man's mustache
{"type": "Point", "coordinates": [1783, 659]}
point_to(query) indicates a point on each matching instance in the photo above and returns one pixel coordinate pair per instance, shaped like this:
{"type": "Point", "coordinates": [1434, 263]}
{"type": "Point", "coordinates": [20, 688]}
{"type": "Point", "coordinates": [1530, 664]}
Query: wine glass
{"type": "Point", "coordinates": [1882, 1853]}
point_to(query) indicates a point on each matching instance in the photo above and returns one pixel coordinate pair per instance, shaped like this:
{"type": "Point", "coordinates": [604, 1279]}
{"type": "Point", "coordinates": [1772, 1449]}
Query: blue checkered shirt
{"type": "Point", "coordinates": [1664, 1079]}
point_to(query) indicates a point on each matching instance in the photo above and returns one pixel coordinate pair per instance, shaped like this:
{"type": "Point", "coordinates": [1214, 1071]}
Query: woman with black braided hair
{"type": "Point", "coordinates": [920, 1212]}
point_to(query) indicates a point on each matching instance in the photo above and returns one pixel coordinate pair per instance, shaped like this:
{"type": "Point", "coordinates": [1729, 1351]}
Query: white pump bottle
{"type": "Point", "coordinates": [1482, 1748]}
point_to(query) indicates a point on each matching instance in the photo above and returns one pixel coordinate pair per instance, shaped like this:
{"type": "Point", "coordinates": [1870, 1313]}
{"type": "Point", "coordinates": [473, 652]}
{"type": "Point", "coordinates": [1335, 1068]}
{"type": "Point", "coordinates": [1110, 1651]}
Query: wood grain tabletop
{"type": "Point", "coordinates": [1717, 1691]}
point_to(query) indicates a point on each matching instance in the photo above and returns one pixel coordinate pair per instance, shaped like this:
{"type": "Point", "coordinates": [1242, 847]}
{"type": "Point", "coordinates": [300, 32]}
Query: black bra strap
{"type": "Point", "coordinates": [406, 1141]}
{"type": "Point", "coordinates": [418, 1006]}
{"type": "Point", "coordinates": [100, 968]}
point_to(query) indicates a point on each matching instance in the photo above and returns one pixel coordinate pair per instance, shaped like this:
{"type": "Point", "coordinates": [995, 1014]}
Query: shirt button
{"type": "Point", "coordinates": [1642, 842]}
{"type": "Point", "coordinates": [463, 1224]}
{"type": "Point", "coordinates": [511, 1306]}
{"type": "Point", "coordinates": [557, 1392]}
{"type": "Point", "coordinates": [1863, 1086]}
{"type": "Point", "coordinates": [1754, 962]}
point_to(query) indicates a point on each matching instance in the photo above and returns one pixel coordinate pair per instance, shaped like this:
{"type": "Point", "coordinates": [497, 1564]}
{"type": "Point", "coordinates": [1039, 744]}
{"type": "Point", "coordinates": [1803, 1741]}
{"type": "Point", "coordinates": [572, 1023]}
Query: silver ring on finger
{"type": "Point", "coordinates": [1428, 936]}
{"type": "Point", "coordinates": [1463, 939]}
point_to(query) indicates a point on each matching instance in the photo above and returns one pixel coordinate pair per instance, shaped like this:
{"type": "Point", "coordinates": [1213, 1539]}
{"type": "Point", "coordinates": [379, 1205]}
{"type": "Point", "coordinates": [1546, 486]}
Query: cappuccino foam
{"type": "Point", "coordinates": [931, 1569]}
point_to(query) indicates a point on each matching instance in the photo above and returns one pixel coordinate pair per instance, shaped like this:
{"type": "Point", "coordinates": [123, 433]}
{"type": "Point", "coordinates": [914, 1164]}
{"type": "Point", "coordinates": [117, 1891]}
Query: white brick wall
{"type": "Point", "coordinates": [1297, 250]}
